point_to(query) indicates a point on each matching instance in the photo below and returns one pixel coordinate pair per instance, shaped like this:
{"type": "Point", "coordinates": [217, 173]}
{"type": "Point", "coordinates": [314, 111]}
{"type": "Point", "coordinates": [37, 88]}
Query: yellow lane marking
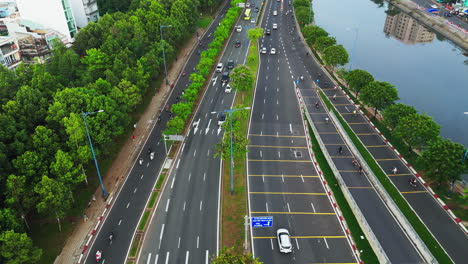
{"type": "Point", "coordinates": [360, 187]}
{"type": "Point", "coordinates": [303, 237]}
{"type": "Point", "coordinates": [286, 176]}
{"type": "Point", "coordinates": [385, 159]}
{"type": "Point", "coordinates": [280, 160]}
{"type": "Point", "coordinates": [401, 174]}
{"type": "Point", "coordinates": [287, 193]}
{"type": "Point", "coordinates": [416, 192]}
{"type": "Point", "coordinates": [366, 134]}
{"type": "Point", "coordinates": [305, 213]}
{"type": "Point", "coordinates": [263, 146]}
{"type": "Point", "coordinates": [258, 135]}
{"type": "Point", "coordinates": [376, 146]}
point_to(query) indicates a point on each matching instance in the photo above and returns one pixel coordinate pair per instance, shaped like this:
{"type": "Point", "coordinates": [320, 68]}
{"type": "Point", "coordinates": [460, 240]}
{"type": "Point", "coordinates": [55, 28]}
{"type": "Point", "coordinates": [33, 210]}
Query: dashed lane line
{"type": "Point", "coordinates": [259, 135]}
{"type": "Point", "coordinates": [264, 146]}
{"type": "Point", "coordinates": [305, 161]}
{"type": "Point", "coordinates": [292, 193]}
{"type": "Point", "coordinates": [286, 176]}
{"type": "Point", "coordinates": [293, 213]}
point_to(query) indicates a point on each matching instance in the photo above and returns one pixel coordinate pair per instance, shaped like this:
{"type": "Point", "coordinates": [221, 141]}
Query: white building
{"type": "Point", "coordinates": [54, 14]}
{"type": "Point", "coordinates": [84, 11]}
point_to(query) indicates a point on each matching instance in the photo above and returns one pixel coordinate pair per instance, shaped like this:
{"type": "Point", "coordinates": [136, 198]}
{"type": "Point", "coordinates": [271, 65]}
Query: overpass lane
{"type": "Point", "coordinates": [282, 180]}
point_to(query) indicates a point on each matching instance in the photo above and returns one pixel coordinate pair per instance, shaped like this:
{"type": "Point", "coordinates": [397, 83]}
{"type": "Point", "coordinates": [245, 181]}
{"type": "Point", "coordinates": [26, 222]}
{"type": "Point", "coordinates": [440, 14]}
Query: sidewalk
{"type": "Point", "coordinates": [116, 174]}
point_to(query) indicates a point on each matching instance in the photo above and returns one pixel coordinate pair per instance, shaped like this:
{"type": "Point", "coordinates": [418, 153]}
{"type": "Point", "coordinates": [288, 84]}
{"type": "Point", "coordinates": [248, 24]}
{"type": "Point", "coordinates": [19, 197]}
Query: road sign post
{"type": "Point", "coordinates": [172, 138]}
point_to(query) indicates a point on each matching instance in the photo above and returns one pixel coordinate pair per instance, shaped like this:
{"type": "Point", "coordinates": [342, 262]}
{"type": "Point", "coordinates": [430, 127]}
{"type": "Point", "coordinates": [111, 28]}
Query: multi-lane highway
{"type": "Point", "coordinates": [129, 204]}
{"type": "Point", "coordinates": [185, 226]}
{"type": "Point", "coordinates": [282, 179]}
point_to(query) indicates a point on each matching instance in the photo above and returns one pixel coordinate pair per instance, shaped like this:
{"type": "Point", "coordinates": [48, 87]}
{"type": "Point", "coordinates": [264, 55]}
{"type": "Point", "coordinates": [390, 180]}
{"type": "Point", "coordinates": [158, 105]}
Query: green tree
{"type": "Point", "coordinates": [242, 78]}
{"type": "Point", "coordinates": [417, 130]}
{"type": "Point", "coordinates": [302, 15]}
{"type": "Point", "coordinates": [255, 33]}
{"type": "Point", "coordinates": [97, 62]}
{"type": "Point", "coordinates": [379, 95]}
{"type": "Point", "coordinates": [54, 198]}
{"type": "Point", "coordinates": [18, 248]}
{"type": "Point", "coordinates": [18, 195]}
{"type": "Point", "coordinates": [239, 139]}
{"type": "Point", "coordinates": [358, 79]}
{"type": "Point", "coordinates": [9, 84]}
{"type": "Point", "coordinates": [323, 42]}
{"type": "Point", "coordinates": [175, 126]}
{"type": "Point", "coordinates": [395, 112]}
{"type": "Point", "coordinates": [182, 109]}
{"type": "Point", "coordinates": [9, 221]}
{"type": "Point", "coordinates": [64, 169]}
{"type": "Point", "coordinates": [312, 33]}
{"type": "Point", "coordinates": [45, 142]}
{"type": "Point", "coordinates": [230, 256]}
{"type": "Point", "coordinates": [335, 55]}
{"type": "Point", "coordinates": [31, 165]}
{"type": "Point", "coordinates": [442, 160]}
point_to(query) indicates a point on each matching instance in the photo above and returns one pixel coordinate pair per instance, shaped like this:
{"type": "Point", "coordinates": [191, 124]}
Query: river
{"type": "Point", "coordinates": [430, 74]}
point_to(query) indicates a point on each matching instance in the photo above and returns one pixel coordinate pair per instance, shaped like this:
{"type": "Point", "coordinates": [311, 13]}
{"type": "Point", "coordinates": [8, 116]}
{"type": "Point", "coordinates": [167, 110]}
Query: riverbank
{"type": "Point", "coordinates": [437, 24]}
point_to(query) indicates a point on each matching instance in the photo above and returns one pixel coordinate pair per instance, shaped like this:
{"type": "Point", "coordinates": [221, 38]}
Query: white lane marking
{"type": "Point", "coordinates": [172, 184]}
{"type": "Point", "coordinates": [208, 153]}
{"type": "Point", "coordinates": [263, 100]}
{"type": "Point", "coordinates": [260, 153]}
{"type": "Point", "coordinates": [162, 231]}
{"type": "Point", "coordinates": [277, 118]}
{"type": "Point", "coordinates": [183, 209]}
{"type": "Point", "coordinates": [208, 127]}
{"type": "Point", "coordinates": [141, 177]}
{"type": "Point", "coordinates": [222, 101]}
{"type": "Point", "coordinates": [282, 177]}
{"type": "Point", "coordinates": [120, 221]}
{"type": "Point", "coordinates": [201, 205]}
{"type": "Point", "coordinates": [266, 77]}
{"type": "Point", "coordinates": [183, 146]}
{"type": "Point", "coordinates": [290, 128]}
{"type": "Point", "coordinates": [206, 115]}
{"type": "Point", "coordinates": [189, 176]}
{"type": "Point", "coordinates": [302, 178]}
{"type": "Point", "coordinates": [297, 242]}
{"type": "Point", "coordinates": [277, 90]}
{"type": "Point", "coordinates": [277, 102]}
{"type": "Point", "coordinates": [266, 205]}
{"type": "Point", "coordinates": [167, 257]}
{"type": "Point", "coordinates": [149, 258]}
{"type": "Point", "coordinates": [204, 176]}
{"type": "Point", "coordinates": [313, 208]}
{"type": "Point", "coordinates": [128, 205]}
{"type": "Point", "coordinates": [167, 204]}
{"type": "Point", "coordinates": [134, 191]}
{"type": "Point", "coordinates": [289, 208]}
{"type": "Point", "coordinates": [156, 259]}
{"type": "Point", "coordinates": [198, 241]}
{"type": "Point", "coordinates": [279, 154]}
{"type": "Point", "coordinates": [277, 78]}
{"type": "Point", "coordinates": [326, 243]}
{"type": "Point", "coordinates": [147, 164]}
{"type": "Point", "coordinates": [271, 242]}
{"type": "Point", "coordinates": [262, 116]}
{"type": "Point", "coordinates": [263, 178]}
{"type": "Point", "coordinates": [207, 257]}
{"type": "Point", "coordinates": [265, 88]}
{"type": "Point", "coordinates": [187, 257]}
{"type": "Point", "coordinates": [178, 244]}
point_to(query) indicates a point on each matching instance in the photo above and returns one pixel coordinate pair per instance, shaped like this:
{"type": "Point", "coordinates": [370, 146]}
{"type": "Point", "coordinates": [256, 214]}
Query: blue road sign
{"type": "Point", "coordinates": [263, 221]}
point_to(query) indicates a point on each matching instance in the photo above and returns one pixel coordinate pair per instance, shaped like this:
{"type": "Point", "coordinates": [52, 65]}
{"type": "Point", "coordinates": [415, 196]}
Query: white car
{"type": "Point", "coordinates": [275, 13]}
{"type": "Point", "coordinates": [284, 240]}
{"type": "Point", "coordinates": [228, 89]}
{"type": "Point", "coordinates": [264, 50]}
{"type": "Point", "coordinates": [238, 28]}
{"type": "Point", "coordinates": [252, 21]}
{"type": "Point", "coordinates": [434, 6]}
{"type": "Point", "coordinates": [221, 119]}
{"type": "Point", "coordinates": [275, 26]}
{"type": "Point", "coordinates": [273, 51]}
{"type": "Point", "coordinates": [219, 68]}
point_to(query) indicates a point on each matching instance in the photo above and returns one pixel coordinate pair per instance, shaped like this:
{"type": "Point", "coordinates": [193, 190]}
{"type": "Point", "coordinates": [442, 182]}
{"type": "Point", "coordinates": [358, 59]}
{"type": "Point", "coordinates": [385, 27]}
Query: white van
{"type": "Point", "coordinates": [219, 68]}
{"type": "Point", "coordinates": [275, 13]}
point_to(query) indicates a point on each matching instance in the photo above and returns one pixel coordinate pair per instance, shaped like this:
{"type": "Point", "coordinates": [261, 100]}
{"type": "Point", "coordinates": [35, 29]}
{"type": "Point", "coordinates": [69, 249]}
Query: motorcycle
{"type": "Point", "coordinates": [98, 255]}
{"type": "Point", "coordinates": [140, 161]}
{"type": "Point", "coordinates": [151, 155]}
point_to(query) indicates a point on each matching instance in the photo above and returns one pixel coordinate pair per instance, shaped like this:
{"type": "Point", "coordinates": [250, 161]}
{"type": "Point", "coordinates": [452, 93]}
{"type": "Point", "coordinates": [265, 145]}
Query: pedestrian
{"type": "Point", "coordinates": [360, 169]}
{"type": "Point", "coordinates": [85, 217]}
{"type": "Point", "coordinates": [94, 198]}
{"type": "Point", "coordinates": [134, 125]}
{"type": "Point", "coordinates": [355, 163]}
{"type": "Point", "coordinates": [354, 113]}
{"type": "Point", "coordinates": [334, 97]}
{"type": "Point", "coordinates": [133, 137]}
{"type": "Point", "coordinates": [340, 150]}
{"type": "Point", "coordinates": [394, 170]}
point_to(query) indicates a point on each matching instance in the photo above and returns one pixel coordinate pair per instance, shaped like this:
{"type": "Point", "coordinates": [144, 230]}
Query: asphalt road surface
{"type": "Point", "coordinates": [186, 222]}
{"type": "Point", "coordinates": [129, 204]}
{"type": "Point", "coordinates": [282, 180]}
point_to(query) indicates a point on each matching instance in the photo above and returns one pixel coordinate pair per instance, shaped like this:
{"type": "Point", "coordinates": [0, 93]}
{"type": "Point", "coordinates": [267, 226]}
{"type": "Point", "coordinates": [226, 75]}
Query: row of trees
{"type": "Point", "coordinates": [43, 142]}
{"type": "Point", "coordinates": [441, 158]}
{"type": "Point", "coordinates": [184, 108]}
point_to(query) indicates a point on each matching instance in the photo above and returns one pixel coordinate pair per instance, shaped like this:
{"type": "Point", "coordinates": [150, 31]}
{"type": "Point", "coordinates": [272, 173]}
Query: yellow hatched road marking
{"type": "Point", "coordinates": [385, 159]}
{"type": "Point", "coordinates": [287, 193]}
{"type": "Point", "coordinates": [258, 135]}
{"type": "Point", "coordinates": [305, 176]}
{"type": "Point", "coordinates": [415, 192]}
{"type": "Point", "coordinates": [376, 146]}
{"type": "Point", "coordinates": [306, 213]}
{"type": "Point", "coordinates": [264, 146]}
{"type": "Point", "coordinates": [280, 160]}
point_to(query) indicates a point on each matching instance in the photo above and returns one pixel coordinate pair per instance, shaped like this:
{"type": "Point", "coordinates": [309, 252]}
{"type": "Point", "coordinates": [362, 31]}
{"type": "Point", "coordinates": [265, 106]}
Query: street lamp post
{"type": "Point", "coordinates": [164, 54]}
{"type": "Point", "coordinates": [229, 112]}
{"type": "Point", "coordinates": [84, 115]}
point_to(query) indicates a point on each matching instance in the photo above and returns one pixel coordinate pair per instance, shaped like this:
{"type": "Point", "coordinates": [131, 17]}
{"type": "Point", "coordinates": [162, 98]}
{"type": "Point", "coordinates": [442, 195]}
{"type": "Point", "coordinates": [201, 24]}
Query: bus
{"type": "Point", "coordinates": [247, 14]}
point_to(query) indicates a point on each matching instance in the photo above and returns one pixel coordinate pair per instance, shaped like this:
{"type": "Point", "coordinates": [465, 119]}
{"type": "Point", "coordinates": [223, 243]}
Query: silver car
{"type": "Point", "coordinates": [284, 240]}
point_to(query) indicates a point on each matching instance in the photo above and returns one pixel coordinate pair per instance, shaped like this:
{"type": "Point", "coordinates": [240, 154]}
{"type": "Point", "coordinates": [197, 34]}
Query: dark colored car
{"type": "Point", "coordinates": [256, 9]}
{"type": "Point", "coordinates": [225, 77]}
{"type": "Point", "coordinates": [238, 44]}
{"type": "Point", "coordinates": [230, 64]}
{"type": "Point", "coordinates": [252, 5]}
{"type": "Point", "coordinates": [268, 31]}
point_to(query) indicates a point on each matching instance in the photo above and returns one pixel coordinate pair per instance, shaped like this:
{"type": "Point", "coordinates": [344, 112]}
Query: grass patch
{"type": "Point", "coordinates": [160, 180]}
{"type": "Point", "coordinates": [235, 206]}
{"type": "Point", "coordinates": [135, 244]}
{"type": "Point", "coordinates": [367, 254]}
{"type": "Point", "coordinates": [404, 207]}
{"type": "Point", "coordinates": [204, 21]}
{"type": "Point", "coordinates": [143, 221]}
{"type": "Point", "coordinates": [152, 199]}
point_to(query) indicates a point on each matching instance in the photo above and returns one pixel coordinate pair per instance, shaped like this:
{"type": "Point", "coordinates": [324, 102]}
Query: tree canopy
{"type": "Point", "coordinates": [417, 130]}
{"type": "Point", "coordinates": [379, 95]}
{"type": "Point", "coordinates": [358, 79]}
{"type": "Point", "coordinates": [335, 55]}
